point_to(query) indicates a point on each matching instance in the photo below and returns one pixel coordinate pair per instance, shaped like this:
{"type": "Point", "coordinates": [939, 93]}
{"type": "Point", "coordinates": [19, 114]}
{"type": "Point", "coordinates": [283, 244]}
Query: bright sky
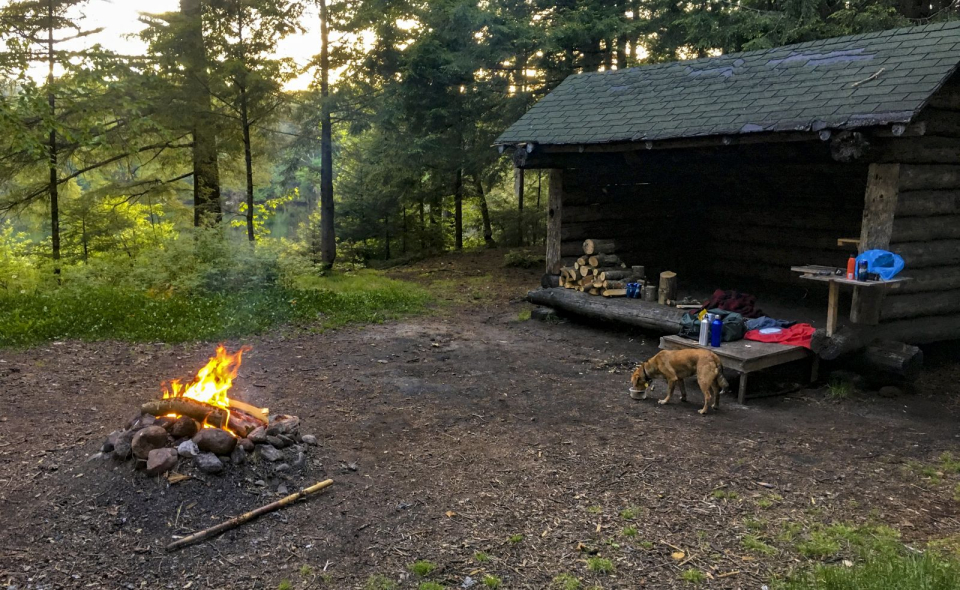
{"type": "Point", "coordinates": [119, 18]}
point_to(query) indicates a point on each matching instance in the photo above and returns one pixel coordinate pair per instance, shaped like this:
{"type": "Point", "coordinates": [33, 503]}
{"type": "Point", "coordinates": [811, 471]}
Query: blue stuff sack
{"type": "Point", "coordinates": [886, 264]}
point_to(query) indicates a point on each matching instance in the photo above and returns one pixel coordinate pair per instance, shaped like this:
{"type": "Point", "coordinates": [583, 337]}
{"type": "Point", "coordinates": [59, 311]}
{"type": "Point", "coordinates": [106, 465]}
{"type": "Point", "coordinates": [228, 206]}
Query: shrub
{"type": "Point", "coordinates": [422, 567]}
{"type": "Point", "coordinates": [600, 565]}
{"type": "Point", "coordinates": [523, 259]}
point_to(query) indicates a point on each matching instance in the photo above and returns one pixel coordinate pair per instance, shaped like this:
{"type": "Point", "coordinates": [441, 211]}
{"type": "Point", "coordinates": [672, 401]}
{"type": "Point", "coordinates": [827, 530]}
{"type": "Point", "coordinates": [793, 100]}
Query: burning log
{"type": "Point", "coordinates": [244, 518]}
{"type": "Point", "coordinates": [182, 406]}
{"type": "Point", "coordinates": [240, 422]}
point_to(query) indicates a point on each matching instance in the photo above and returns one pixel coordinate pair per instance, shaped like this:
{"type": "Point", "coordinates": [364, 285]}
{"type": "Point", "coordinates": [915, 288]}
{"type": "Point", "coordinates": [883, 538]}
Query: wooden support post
{"type": "Point", "coordinates": [742, 390]}
{"type": "Point", "coordinates": [518, 191]}
{"type": "Point", "coordinates": [833, 303]}
{"type": "Point", "coordinates": [880, 205]}
{"type": "Point", "coordinates": [554, 214]}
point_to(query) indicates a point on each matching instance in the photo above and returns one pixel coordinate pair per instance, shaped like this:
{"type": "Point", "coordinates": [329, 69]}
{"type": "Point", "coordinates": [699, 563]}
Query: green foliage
{"type": "Point", "coordinates": [379, 582]}
{"type": "Point", "coordinates": [285, 585]}
{"type": "Point", "coordinates": [892, 569]}
{"type": "Point", "coordinates": [430, 586]}
{"type": "Point", "coordinates": [839, 390]}
{"type": "Point", "coordinates": [567, 582]}
{"type": "Point", "coordinates": [516, 539]}
{"type": "Point", "coordinates": [422, 567]}
{"type": "Point", "coordinates": [630, 513]}
{"type": "Point", "coordinates": [754, 544]}
{"type": "Point", "coordinates": [693, 575]}
{"type": "Point", "coordinates": [523, 259]}
{"type": "Point", "coordinates": [481, 557]}
{"type": "Point", "coordinates": [629, 531]}
{"type": "Point", "coordinates": [199, 288]}
{"type": "Point", "coordinates": [491, 581]}
{"type": "Point", "coordinates": [600, 565]}
{"type": "Point", "coordinates": [724, 495]}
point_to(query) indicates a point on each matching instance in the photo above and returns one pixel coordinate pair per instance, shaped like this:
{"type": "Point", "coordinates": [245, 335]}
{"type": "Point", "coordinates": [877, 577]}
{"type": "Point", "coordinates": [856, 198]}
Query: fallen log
{"type": "Point", "coordinates": [604, 260]}
{"type": "Point", "coordinates": [885, 361]}
{"type": "Point", "coordinates": [844, 341]}
{"type": "Point", "coordinates": [614, 293]}
{"type": "Point", "coordinates": [244, 518]}
{"type": "Point", "coordinates": [658, 318]}
{"type": "Point", "coordinates": [615, 275]}
{"type": "Point", "coordinates": [668, 287]}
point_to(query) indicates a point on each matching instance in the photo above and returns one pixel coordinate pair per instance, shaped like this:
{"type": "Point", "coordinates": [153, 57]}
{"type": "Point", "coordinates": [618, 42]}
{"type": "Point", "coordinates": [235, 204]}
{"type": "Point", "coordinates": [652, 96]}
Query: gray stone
{"type": "Point", "coordinates": [258, 435]}
{"type": "Point", "coordinates": [276, 441]}
{"type": "Point", "coordinates": [287, 441]}
{"type": "Point", "coordinates": [209, 463]}
{"type": "Point", "coordinates": [161, 460]}
{"type": "Point", "coordinates": [148, 439]}
{"type": "Point", "coordinates": [238, 456]}
{"type": "Point", "coordinates": [890, 391]}
{"type": "Point", "coordinates": [165, 422]}
{"type": "Point", "coordinates": [299, 460]}
{"type": "Point", "coordinates": [247, 444]}
{"type": "Point", "coordinates": [270, 453]}
{"type": "Point", "coordinates": [188, 448]}
{"type": "Point", "coordinates": [216, 441]}
{"type": "Point", "coordinates": [122, 450]}
{"type": "Point", "coordinates": [184, 427]}
{"type": "Point", "coordinates": [281, 467]}
{"type": "Point", "coordinates": [282, 424]}
{"type": "Point", "coordinates": [309, 439]}
{"type": "Point", "coordinates": [111, 441]}
{"type": "Point", "coordinates": [282, 489]}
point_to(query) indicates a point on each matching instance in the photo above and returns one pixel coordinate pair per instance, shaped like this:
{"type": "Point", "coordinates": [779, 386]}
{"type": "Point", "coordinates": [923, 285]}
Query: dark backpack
{"type": "Point", "coordinates": [734, 326]}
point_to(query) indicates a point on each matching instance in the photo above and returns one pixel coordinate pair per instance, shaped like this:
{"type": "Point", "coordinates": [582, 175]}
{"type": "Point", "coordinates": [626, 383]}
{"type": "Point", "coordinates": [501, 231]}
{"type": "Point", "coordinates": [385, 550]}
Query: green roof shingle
{"type": "Point", "coordinates": [809, 86]}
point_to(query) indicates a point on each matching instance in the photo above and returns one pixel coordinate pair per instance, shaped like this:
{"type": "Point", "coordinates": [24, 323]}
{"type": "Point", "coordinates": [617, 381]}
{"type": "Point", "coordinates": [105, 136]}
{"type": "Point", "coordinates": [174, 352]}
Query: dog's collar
{"type": "Point", "coordinates": [643, 367]}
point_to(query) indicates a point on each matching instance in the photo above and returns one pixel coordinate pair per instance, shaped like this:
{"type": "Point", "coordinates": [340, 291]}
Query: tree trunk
{"type": "Point", "coordinates": [206, 168]}
{"type": "Point", "coordinates": [54, 186]}
{"type": "Point", "coordinates": [651, 316]}
{"type": "Point", "coordinates": [248, 161]}
{"type": "Point", "coordinates": [458, 209]}
{"type": "Point", "coordinates": [423, 226]}
{"type": "Point", "coordinates": [403, 230]}
{"type": "Point", "coordinates": [328, 240]}
{"type": "Point", "coordinates": [485, 214]}
{"type": "Point", "coordinates": [386, 234]}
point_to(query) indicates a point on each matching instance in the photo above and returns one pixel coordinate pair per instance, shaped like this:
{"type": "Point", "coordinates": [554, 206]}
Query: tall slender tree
{"type": "Point", "coordinates": [328, 240]}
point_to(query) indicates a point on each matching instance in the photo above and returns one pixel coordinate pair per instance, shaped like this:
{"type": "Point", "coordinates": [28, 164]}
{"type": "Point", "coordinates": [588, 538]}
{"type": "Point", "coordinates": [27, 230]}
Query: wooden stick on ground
{"type": "Point", "coordinates": [243, 518]}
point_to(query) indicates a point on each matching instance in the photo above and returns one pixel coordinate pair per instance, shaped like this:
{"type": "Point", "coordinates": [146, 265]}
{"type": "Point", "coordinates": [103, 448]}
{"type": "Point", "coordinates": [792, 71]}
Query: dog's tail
{"type": "Point", "coordinates": [721, 380]}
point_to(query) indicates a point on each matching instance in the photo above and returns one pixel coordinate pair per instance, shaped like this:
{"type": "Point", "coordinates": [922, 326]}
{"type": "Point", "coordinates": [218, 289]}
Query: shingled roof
{"type": "Point", "coordinates": [840, 83]}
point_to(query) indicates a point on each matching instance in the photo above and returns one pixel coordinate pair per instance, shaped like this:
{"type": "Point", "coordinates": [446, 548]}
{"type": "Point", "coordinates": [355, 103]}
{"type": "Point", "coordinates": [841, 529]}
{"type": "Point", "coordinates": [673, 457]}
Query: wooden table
{"type": "Point", "coordinates": [747, 356]}
{"type": "Point", "coordinates": [825, 274]}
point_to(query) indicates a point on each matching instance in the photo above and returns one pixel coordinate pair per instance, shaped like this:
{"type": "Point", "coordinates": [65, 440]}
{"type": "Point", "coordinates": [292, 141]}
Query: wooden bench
{"type": "Point", "coordinates": [747, 356]}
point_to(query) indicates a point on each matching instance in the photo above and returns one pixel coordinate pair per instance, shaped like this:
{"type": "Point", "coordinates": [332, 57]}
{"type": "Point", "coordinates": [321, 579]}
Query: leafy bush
{"type": "Point", "coordinates": [523, 259]}
{"type": "Point", "coordinates": [198, 287]}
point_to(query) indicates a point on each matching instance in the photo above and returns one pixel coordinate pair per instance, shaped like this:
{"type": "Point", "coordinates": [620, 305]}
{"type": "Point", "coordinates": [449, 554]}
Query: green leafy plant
{"type": "Point", "coordinates": [839, 390]}
{"type": "Point", "coordinates": [630, 513]}
{"type": "Point", "coordinates": [692, 575]}
{"type": "Point", "coordinates": [430, 586]}
{"type": "Point", "coordinates": [629, 531]}
{"type": "Point", "coordinates": [285, 585]}
{"type": "Point", "coordinates": [379, 582]}
{"type": "Point", "coordinates": [515, 538]}
{"type": "Point", "coordinates": [481, 557]}
{"type": "Point", "coordinates": [491, 581]}
{"type": "Point", "coordinates": [754, 544]}
{"type": "Point", "coordinates": [567, 582]}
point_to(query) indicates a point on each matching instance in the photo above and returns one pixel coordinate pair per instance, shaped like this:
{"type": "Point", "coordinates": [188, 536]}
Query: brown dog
{"type": "Point", "coordinates": [677, 365]}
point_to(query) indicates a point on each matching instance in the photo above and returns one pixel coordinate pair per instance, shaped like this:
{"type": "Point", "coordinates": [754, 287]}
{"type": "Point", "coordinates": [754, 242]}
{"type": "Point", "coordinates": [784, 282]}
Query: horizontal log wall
{"type": "Point", "coordinates": [926, 227]}
{"type": "Point", "coordinates": [738, 212]}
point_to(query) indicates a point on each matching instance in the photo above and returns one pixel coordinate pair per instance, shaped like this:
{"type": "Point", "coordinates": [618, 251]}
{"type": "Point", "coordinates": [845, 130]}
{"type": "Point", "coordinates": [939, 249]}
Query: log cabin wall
{"type": "Point", "coordinates": [926, 224]}
{"type": "Point", "coordinates": [734, 215]}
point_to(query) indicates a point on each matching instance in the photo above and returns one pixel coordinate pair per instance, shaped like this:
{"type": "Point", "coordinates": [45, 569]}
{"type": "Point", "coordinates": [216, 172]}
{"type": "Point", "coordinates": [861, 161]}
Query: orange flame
{"type": "Point", "coordinates": [212, 382]}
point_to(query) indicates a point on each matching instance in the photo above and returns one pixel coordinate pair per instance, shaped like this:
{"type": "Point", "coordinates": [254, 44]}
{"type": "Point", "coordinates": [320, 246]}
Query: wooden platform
{"type": "Point", "coordinates": [746, 356]}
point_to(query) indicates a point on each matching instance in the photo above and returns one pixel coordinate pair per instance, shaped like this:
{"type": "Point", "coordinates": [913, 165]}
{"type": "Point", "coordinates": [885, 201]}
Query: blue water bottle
{"type": "Point", "coordinates": [716, 329]}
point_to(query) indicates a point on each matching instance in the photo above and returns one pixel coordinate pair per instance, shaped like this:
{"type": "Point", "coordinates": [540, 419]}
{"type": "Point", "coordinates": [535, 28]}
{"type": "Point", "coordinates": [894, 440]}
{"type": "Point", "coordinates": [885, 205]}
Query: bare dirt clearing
{"type": "Point", "coordinates": [484, 444]}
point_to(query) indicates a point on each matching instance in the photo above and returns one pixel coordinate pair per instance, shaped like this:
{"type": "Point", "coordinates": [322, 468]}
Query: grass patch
{"type": "Point", "coordinates": [693, 575]}
{"type": "Point", "coordinates": [723, 495]}
{"type": "Point", "coordinates": [629, 531]}
{"type": "Point", "coordinates": [306, 570]}
{"type": "Point", "coordinates": [567, 582]}
{"type": "Point", "coordinates": [515, 539]}
{"type": "Point", "coordinates": [755, 545]}
{"type": "Point", "coordinates": [105, 312]}
{"type": "Point", "coordinates": [430, 586]}
{"type": "Point", "coordinates": [422, 568]}
{"type": "Point", "coordinates": [378, 582]}
{"type": "Point", "coordinates": [769, 500]}
{"type": "Point", "coordinates": [884, 571]}
{"type": "Point", "coordinates": [594, 509]}
{"type": "Point", "coordinates": [491, 581]}
{"type": "Point", "coordinates": [754, 524]}
{"type": "Point", "coordinates": [524, 315]}
{"type": "Point", "coordinates": [285, 585]}
{"type": "Point", "coordinates": [839, 390]}
{"type": "Point", "coordinates": [630, 513]}
{"type": "Point", "coordinates": [648, 545]}
{"type": "Point", "coordinates": [481, 557]}
{"type": "Point", "coordinates": [600, 565]}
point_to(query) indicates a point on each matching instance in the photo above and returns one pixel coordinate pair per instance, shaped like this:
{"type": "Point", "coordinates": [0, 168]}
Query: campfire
{"type": "Point", "coordinates": [199, 421]}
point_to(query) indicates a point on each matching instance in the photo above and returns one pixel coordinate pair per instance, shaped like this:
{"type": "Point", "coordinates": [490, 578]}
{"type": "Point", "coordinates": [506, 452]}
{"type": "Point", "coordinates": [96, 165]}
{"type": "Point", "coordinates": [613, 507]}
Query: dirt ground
{"type": "Point", "coordinates": [471, 431]}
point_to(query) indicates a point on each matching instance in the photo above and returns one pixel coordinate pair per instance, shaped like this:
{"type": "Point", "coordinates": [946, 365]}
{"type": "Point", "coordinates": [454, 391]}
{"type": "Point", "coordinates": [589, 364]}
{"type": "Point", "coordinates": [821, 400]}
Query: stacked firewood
{"type": "Point", "coordinates": [600, 271]}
